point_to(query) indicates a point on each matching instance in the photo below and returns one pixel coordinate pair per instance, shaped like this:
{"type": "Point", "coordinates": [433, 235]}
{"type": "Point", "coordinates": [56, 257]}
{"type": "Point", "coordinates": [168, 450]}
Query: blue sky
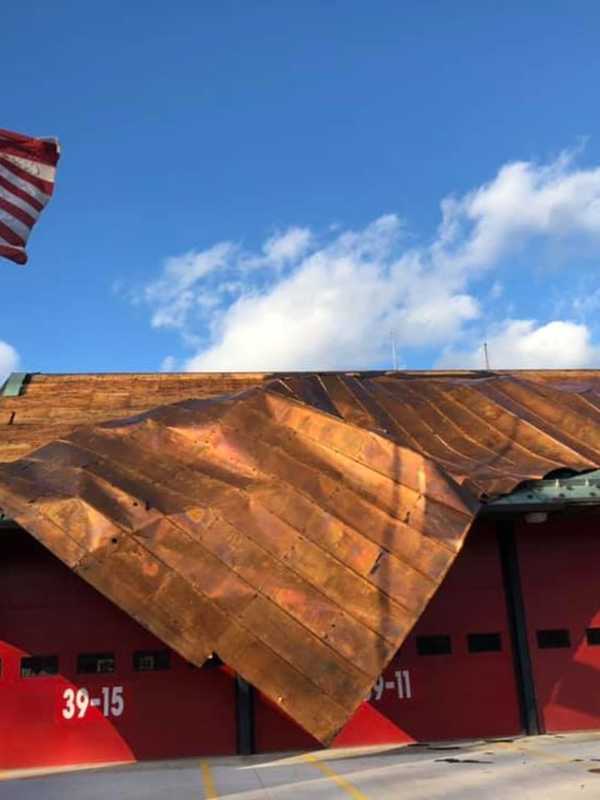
{"type": "Point", "coordinates": [286, 185]}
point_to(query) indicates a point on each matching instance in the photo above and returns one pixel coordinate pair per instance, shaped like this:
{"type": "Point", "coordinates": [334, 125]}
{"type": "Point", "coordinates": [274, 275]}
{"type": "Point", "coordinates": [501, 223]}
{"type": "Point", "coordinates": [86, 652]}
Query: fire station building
{"type": "Point", "coordinates": [207, 564]}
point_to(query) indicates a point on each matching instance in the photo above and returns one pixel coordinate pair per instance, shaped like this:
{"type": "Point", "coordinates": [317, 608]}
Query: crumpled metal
{"type": "Point", "coordinates": [297, 529]}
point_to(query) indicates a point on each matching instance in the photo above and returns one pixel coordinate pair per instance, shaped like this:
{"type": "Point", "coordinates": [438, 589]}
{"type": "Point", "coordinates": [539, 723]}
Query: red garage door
{"type": "Point", "coordinates": [454, 676]}
{"type": "Point", "coordinates": [560, 569]}
{"type": "Point", "coordinates": [82, 682]}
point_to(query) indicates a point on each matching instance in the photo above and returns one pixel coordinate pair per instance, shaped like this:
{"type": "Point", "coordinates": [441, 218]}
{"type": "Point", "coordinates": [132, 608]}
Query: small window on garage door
{"type": "Point", "coordinates": [437, 645]}
{"type": "Point", "coordinates": [151, 660]}
{"type": "Point", "coordinates": [484, 642]}
{"type": "Point", "coordinates": [553, 638]}
{"type": "Point", "coordinates": [39, 666]}
{"type": "Point", "coordinates": [592, 636]}
{"type": "Point", "coordinates": [89, 663]}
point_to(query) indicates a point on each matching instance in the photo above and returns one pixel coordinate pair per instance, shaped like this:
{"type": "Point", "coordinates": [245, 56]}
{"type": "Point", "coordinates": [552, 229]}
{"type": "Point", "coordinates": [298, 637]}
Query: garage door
{"type": "Point", "coordinates": [560, 569]}
{"type": "Point", "coordinates": [453, 677]}
{"type": "Point", "coordinates": [80, 681]}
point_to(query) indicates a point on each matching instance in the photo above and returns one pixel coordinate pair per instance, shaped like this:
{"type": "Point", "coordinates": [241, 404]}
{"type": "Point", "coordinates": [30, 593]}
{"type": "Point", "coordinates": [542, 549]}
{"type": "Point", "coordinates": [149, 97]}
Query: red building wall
{"type": "Point", "coordinates": [453, 677]}
{"type": "Point", "coordinates": [45, 609]}
{"type": "Point", "coordinates": [560, 574]}
{"type": "Point", "coordinates": [426, 695]}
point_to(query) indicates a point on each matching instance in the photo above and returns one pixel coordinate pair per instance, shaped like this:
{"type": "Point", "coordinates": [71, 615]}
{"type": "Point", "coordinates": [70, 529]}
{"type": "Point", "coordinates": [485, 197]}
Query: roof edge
{"type": "Point", "coordinates": [15, 383]}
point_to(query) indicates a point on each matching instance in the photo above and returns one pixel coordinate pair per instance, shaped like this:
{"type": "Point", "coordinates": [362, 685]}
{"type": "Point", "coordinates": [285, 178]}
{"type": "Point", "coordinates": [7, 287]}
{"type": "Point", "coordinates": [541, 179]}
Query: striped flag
{"type": "Point", "coordinates": [27, 170]}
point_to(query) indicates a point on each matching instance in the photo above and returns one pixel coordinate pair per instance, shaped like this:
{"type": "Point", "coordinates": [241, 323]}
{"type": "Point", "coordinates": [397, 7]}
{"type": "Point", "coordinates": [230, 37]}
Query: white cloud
{"type": "Point", "coordinates": [9, 359]}
{"type": "Point", "coordinates": [587, 305]}
{"type": "Point", "coordinates": [287, 246]}
{"type": "Point", "coordinates": [524, 199]}
{"type": "Point", "coordinates": [496, 290]}
{"type": "Point", "coordinates": [337, 309]}
{"type": "Point", "coordinates": [524, 344]}
{"type": "Point", "coordinates": [327, 301]}
{"type": "Point", "coordinates": [168, 364]}
{"type": "Point", "coordinates": [174, 295]}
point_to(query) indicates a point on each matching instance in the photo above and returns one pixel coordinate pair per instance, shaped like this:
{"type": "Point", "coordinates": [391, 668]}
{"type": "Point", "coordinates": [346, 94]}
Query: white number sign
{"type": "Point", "coordinates": [401, 685]}
{"type": "Point", "coordinates": [77, 702]}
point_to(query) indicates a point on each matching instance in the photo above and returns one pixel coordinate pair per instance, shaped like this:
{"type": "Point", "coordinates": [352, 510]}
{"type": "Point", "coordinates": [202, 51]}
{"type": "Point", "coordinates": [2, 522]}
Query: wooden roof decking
{"type": "Point", "coordinates": [296, 525]}
{"type": "Point", "coordinates": [492, 429]}
{"type": "Point", "coordinates": [52, 405]}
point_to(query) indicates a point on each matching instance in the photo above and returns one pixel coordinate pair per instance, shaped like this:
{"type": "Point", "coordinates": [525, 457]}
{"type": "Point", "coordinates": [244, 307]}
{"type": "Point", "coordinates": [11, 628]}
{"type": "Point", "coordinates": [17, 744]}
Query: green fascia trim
{"type": "Point", "coordinates": [577, 490]}
{"type": "Point", "coordinates": [5, 522]}
{"type": "Point", "coordinates": [14, 384]}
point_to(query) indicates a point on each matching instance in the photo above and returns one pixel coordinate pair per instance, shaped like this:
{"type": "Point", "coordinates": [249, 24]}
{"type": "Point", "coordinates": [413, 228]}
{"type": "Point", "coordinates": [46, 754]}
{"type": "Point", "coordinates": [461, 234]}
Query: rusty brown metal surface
{"type": "Point", "coordinates": [297, 528]}
{"type": "Point", "coordinates": [490, 432]}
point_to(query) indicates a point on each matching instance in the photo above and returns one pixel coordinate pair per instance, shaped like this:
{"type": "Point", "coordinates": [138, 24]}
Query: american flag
{"type": "Point", "coordinates": [27, 171]}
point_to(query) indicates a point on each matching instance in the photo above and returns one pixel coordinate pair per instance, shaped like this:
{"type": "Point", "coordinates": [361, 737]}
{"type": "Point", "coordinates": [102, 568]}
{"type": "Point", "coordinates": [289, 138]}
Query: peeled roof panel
{"type": "Point", "coordinates": [297, 547]}
{"type": "Point", "coordinates": [298, 527]}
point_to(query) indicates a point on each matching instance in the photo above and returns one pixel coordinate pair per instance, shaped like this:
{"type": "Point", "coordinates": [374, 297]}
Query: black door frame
{"type": "Point", "coordinates": [517, 620]}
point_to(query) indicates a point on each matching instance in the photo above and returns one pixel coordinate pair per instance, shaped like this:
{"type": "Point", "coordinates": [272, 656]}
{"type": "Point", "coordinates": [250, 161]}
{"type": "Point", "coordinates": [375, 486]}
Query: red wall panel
{"type": "Point", "coordinates": [560, 568]}
{"type": "Point", "coordinates": [45, 609]}
{"type": "Point", "coordinates": [434, 697]}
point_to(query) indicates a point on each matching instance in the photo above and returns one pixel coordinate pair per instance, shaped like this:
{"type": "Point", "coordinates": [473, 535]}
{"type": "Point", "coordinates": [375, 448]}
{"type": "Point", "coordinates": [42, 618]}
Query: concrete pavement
{"type": "Point", "coordinates": [544, 768]}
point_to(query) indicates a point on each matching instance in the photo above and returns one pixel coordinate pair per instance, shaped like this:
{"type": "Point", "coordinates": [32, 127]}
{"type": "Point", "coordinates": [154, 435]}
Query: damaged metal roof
{"type": "Point", "coordinates": [297, 527]}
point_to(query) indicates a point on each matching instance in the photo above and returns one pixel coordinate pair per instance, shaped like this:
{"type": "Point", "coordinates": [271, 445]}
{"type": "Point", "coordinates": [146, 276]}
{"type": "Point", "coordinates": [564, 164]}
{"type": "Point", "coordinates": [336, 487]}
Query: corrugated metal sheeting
{"type": "Point", "coordinates": [297, 527]}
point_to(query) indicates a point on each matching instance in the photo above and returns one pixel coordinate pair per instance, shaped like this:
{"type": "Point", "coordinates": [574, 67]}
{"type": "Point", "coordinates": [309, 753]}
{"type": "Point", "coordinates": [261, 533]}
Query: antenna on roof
{"type": "Point", "coordinates": [486, 356]}
{"type": "Point", "coordinates": [394, 358]}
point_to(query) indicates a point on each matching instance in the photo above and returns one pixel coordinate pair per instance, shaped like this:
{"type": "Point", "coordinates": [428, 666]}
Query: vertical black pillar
{"type": "Point", "coordinates": [518, 625]}
{"type": "Point", "coordinates": [244, 716]}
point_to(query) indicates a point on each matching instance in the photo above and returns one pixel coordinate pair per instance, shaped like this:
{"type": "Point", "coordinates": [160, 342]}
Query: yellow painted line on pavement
{"type": "Point", "coordinates": [349, 788]}
{"type": "Point", "coordinates": [208, 782]}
